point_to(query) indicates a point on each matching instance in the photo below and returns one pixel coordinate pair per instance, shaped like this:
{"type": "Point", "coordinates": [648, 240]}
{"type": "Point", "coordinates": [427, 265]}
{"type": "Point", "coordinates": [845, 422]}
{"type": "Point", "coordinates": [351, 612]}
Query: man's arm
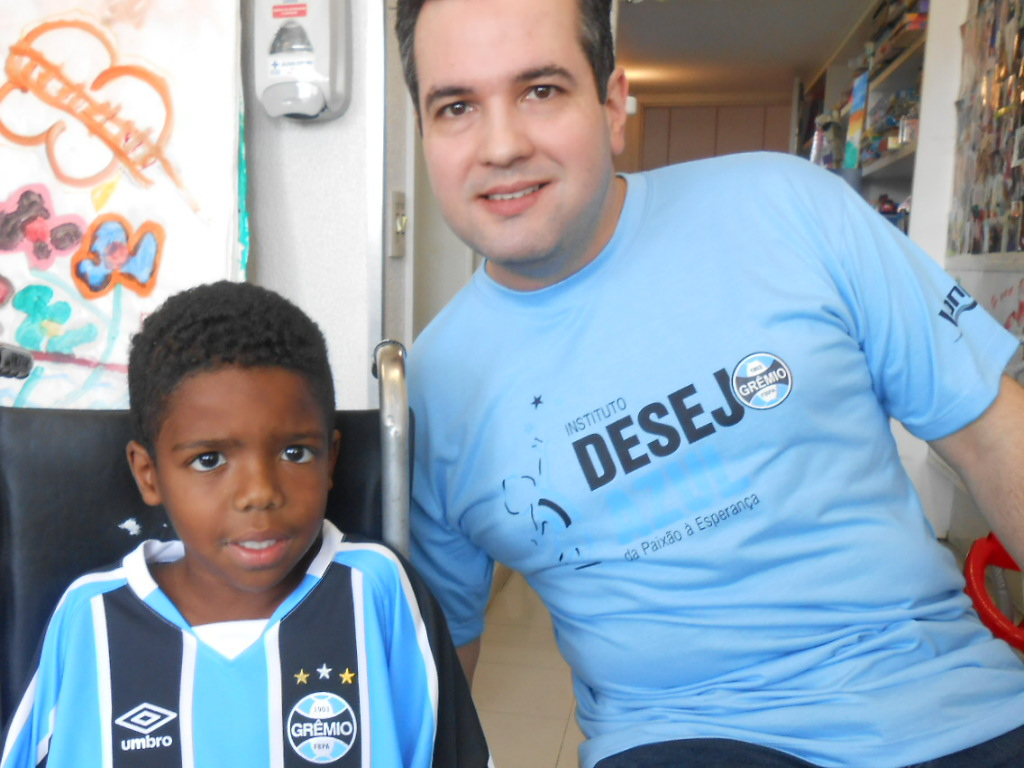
{"type": "Point", "coordinates": [988, 454]}
{"type": "Point", "coordinates": [469, 654]}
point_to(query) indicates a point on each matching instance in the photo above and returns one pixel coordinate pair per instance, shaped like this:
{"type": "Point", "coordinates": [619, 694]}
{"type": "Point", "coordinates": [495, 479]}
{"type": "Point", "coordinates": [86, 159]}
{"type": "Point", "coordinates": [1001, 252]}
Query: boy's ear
{"type": "Point", "coordinates": [332, 459]}
{"type": "Point", "coordinates": [144, 471]}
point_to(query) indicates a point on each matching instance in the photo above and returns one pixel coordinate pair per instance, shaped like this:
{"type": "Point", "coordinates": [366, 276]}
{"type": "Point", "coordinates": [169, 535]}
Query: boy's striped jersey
{"type": "Point", "coordinates": [355, 668]}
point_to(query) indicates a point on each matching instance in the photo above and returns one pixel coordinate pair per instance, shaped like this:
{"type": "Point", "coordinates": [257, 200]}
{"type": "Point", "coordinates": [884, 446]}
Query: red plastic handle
{"type": "Point", "coordinates": [986, 552]}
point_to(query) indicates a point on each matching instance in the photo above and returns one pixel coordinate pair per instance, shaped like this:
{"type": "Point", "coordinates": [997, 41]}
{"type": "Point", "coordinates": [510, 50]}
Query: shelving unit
{"type": "Point", "coordinates": [895, 66]}
{"type": "Point", "coordinates": [912, 43]}
{"type": "Point", "coordinates": [901, 73]}
{"type": "Point", "coordinates": [895, 165]}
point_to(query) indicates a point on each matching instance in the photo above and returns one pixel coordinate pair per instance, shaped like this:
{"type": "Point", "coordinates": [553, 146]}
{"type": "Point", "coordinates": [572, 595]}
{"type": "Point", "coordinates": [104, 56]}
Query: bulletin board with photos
{"type": "Point", "coordinates": [988, 191]}
{"type": "Point", "coordinates": [986, 236]}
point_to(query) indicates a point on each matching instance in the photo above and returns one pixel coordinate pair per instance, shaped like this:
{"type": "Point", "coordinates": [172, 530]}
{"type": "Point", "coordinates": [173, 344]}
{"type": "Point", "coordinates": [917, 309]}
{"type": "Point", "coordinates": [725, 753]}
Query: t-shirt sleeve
{"type": "Point", "coordinates": [457, 571]}
{"type": "Point", "coordinates": [935, 354]}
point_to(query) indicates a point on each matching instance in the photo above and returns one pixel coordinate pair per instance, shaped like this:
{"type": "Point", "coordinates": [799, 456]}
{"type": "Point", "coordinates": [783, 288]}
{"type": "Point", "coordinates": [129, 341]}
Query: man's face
{"type": "Point", "coordinates": [518, 146]}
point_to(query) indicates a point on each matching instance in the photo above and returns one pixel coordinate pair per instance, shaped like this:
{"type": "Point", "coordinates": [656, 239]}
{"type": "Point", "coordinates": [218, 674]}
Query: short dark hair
{"type": "Point", "coordinates": [595, 39]}
{"type": "Point", "coordinates": [215, 325]}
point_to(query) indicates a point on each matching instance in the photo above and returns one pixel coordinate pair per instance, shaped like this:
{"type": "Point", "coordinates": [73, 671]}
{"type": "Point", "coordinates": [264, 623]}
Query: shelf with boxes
{"type": "Point", "coordinates": [893, 113]}
{"type": "Point", "coordinates": [867, 101]}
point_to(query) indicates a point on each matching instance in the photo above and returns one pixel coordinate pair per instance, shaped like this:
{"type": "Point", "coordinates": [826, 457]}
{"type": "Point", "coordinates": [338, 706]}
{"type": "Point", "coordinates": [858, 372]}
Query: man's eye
{"type": "Point", "coordinates": [205, 462]}
{"type": "Point", "coordinates": [298, 454]}
{"type": "Point", "coordinates": [458, 109]}
{"type": "Point", "coordinates": [543, 91]}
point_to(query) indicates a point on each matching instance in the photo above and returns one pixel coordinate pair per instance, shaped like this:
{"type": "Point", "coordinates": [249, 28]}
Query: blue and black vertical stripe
{"type": "Point", "coordinates": [144, 696]}
{"type": "Point", "coordinates": [324, 712]}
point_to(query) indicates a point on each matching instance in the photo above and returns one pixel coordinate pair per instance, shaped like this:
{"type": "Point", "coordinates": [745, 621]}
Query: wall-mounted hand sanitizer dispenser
{"type": "Point", "coordinates": [303, 57]}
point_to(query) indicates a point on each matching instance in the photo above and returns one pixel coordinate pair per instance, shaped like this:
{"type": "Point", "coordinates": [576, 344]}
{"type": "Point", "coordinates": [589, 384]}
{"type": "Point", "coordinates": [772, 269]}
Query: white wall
{"type": "Point", "coordinates": [315, 206]}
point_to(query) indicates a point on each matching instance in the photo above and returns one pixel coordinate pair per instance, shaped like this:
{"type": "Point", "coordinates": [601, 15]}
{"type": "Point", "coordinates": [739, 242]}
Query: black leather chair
{"type": "Point", "coordinates": [69, 504]}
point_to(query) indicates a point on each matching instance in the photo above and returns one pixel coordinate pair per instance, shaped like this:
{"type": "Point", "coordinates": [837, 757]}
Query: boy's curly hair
{"type": "Point", "coordinates": [215, 325]}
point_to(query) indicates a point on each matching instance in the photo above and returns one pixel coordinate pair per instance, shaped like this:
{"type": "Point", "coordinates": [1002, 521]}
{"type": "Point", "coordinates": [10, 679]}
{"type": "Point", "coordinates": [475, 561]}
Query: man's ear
{"type": "Point", "coordinates": [615, 109]}
{"type": "Point", "coordinates": [332, 459]}
{"type": "Point", "coordinates": [144, 471]}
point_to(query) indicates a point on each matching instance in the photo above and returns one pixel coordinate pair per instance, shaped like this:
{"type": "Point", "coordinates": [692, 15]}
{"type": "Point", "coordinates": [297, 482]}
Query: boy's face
{"type": "Point", "coordinates": [517, 143]}
{"type": "Point", "coordinates": [243, 465]}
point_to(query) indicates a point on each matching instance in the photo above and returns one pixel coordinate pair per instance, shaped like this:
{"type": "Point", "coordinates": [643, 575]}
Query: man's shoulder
{"type": "Point", "coordinates": [443, 341]}
{"type": "Point", "coordinates": [746, 167]}
{"type": "Point", "coordinates": [777, 185]}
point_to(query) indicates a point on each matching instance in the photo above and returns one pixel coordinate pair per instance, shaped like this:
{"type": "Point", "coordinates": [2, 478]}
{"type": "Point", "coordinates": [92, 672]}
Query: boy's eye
{"type": "Point", "coordinates": [205, 462]}
{"type": "Point", "coordinates": [298, 454]}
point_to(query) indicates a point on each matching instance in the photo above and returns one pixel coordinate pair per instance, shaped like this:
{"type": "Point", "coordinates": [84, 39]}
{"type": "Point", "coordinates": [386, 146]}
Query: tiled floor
{"type": "Point", "coordinates": [522, 688]}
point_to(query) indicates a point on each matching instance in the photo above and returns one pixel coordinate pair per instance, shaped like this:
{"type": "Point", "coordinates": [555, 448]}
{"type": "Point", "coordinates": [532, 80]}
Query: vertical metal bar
{"type": "Point", "coordinates": [389, 369]}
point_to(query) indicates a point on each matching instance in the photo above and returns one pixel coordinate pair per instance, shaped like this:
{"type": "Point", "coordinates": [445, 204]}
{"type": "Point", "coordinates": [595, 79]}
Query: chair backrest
{"type": "Point", "coordinates": [69, 504]}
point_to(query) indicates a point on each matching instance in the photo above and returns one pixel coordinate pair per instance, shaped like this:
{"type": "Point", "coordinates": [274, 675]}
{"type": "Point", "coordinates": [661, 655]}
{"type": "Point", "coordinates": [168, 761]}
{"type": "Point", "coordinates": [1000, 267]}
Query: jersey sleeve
{"type": "Point", "coordinates": [25, 737]}
{"type": "Point", "coordinates": [427, 680]}
{"type": "Point", "coordinates": [935, 354]}
{"type": "Point", "coordinates": [29, 735]}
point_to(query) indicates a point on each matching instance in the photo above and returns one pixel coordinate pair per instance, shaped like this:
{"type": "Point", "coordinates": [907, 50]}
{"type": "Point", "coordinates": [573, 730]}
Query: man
{"type": "Point", "coordinates": [666, 401]}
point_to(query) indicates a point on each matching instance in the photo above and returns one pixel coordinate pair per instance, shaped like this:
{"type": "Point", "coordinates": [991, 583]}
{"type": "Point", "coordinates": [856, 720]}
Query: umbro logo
{"type": "Point", "coordinates": [145, 718]}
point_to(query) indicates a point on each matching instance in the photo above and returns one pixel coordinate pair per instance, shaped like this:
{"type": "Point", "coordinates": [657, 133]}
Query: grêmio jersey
{"type": "Point", "coordinates": [685, 447]}
{"type": "Point", "coordinates": [355, 668]}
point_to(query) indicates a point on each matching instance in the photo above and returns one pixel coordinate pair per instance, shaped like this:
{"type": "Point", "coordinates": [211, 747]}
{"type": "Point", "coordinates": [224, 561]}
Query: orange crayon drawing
{"type": "Point", "coordinates": [30, 71]}
{"type": "Point", "coordinates": [112, 254]}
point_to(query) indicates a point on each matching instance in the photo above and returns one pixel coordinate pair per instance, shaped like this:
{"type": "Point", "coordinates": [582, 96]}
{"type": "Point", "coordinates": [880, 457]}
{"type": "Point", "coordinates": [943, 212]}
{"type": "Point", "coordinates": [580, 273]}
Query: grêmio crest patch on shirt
{"type": "Point", "coordinates": [762, 380]}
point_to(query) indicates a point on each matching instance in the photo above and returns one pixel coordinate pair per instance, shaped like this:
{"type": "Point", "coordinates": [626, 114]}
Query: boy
{"type": "Point", "coordinates": [264, 636]}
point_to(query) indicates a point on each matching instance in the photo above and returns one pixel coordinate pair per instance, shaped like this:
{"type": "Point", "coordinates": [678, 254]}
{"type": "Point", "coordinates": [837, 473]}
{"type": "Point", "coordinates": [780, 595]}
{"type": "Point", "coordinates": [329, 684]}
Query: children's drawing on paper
{"type": "Point", "coordinates": [103, 97]}
{"type": "Point", "coordinates": [29, 224]}
{"type": "Point", "coordinates": [6, 294]}
{"type": "Point", "coordinates": [114, 255]}
{"type": "Point", "coordinates": [45, 326]}
{"type": "Point", "coordinates": [127, 12]}
{"type": "Point", "coordinates": [119, 177]}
